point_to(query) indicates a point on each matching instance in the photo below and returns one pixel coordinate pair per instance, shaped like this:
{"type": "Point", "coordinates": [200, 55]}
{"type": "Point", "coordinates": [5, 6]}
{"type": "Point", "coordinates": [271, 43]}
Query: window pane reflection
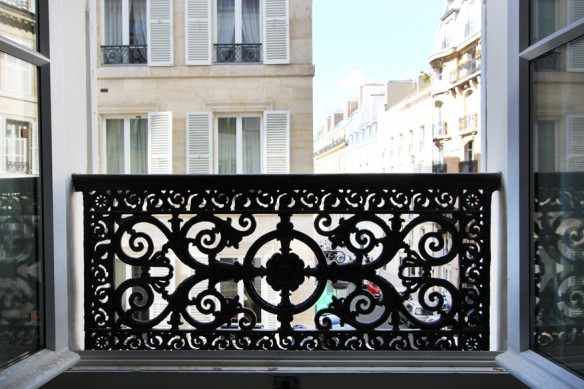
{"type": "Point", "coordinates": [557, 157]}
{"type": "Point", "coordinates": [20, 229]}
{"type": "Point", "coordinates": [18, 22]}
{"type": "Point", "coordinates": [549, 16]}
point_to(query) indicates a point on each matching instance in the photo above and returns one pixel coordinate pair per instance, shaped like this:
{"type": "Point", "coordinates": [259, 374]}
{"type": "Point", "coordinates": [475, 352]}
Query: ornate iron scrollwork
{"type": "Point", "coordinates": [157, 277]}
{"type": "Point", "coordinates": [558, 261]}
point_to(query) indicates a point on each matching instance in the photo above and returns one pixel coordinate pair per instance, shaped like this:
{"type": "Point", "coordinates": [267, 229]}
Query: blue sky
{"type": "Point", "coordinates": [355, 42]}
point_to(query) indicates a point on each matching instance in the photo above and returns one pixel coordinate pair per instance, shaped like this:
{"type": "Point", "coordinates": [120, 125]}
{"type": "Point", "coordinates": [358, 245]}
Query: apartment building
{"type": "Point", "coordinates": [456, 88]}
{"type": "Point", "coordinates": [203, 86]}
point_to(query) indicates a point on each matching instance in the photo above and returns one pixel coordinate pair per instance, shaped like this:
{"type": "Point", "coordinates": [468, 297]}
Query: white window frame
{"type": "Point", "coordinates": [239, 140]}
{"type": "Point", "coordinates": [126, 120]}
{"type": "Point", "coordinates": [506, 40]}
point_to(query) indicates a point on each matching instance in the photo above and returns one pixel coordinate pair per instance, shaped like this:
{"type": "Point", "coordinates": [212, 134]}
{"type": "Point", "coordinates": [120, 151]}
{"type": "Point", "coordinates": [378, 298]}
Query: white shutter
{"type": "Point", "coordinates": [575, 52]}
{"type": "Point", "coordinates": [198, 32]}
{"type": "Point", "coordinates": [160, 29]}
{"type": "Point", "coordinates": [574, 143]}
{"type": "Point", "coordinates": [277, 143]}
{"type": "Point", "coordinates": [199, 143]}
{"type": "Point", "coordinates": [269, 320]}
{"type": "Point", "coordinates": [276, 40]}
{"type": "Point", "coordinates": [160, 142]}
{"type": "Point", "coordinates": [2, 145]}
{"type": "Point", "coordinates": [34, 145]}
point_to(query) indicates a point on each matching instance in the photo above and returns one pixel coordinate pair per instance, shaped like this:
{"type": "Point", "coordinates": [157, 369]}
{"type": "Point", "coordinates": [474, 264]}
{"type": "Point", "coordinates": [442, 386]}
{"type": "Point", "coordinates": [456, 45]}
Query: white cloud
{"type": "Point", "coordinates": [355, 78]}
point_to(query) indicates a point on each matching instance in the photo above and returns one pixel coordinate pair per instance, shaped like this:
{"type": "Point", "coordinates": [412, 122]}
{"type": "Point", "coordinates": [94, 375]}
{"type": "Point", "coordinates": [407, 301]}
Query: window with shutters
{"type": "Point", "coordinates": [234, 144]}
{"type": "Point", "coordinates": [125, 32]}
{"type": "Point", "coordinates": [242, 31]}
{"type": "Point", "coordinates": [137, 145]}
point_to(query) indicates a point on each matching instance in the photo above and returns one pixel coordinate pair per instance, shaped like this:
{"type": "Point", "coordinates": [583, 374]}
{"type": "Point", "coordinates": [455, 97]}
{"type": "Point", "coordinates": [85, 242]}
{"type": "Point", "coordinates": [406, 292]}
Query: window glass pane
{"type": "Point", "coordinates": [114, 139]}
{"type": "Point", "coordinates": [250, 16]}
{"type": "Point", "coordinates": [251, 152]}
{"type": "Point", "coordinates": [139, 146]}
{"type": "Point", "coordinates": [138, 22]}
{"type": "Point", "coordinates": [227, 146]}
{"type": "Point", "coordinates": [225, 21]}
{"type": "Point", "coordinates": [21, 312]}
{"type": "Point", "coordinates": [557, 246]}
{"type": "Point", "coordinates": [113, 25]}
{"type": "Point", "coordinates": [18, 22]}
{"type": "Point", "coordinates": [549, 16]}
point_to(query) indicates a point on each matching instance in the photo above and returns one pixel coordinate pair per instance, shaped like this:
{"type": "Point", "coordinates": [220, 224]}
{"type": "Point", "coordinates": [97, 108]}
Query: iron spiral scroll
{"type": "Point", "coordinates": [157, 278]}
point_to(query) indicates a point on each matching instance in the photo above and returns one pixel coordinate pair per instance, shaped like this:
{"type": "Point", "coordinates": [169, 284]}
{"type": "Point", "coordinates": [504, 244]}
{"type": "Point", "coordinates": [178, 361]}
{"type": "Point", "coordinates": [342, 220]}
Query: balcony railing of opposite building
{"type": "Point", "coordinates": [124, 55]}
{"type": "Point", "coordinates": [440, 130]}
{"type": "Point", "coordinates": [332, 145]}
{"type": "Point", "coordinates": [465, 70]}
{"type": "Point", "coordinates": [238, 263]}
{"type": "Point", "coordinates": [238, 53]}
{"type": "Point", "coordinates": [468, 123]}
{"type": "Point", "coordinates": [439, 168]}
{"type": "Point", "coordinates": [468, 166]}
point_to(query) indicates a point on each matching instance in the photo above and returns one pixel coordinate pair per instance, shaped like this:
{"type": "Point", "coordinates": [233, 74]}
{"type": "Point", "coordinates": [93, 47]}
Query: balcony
{"type": "Point", "coordinates": [439, 168]}
{"type": "Point", "coordinates": [240, 263]}
{"type": "Point", "coordinates": [468, 123]}
{"type": "Point", "coordinates": [468, 166]}
{"type": "Point", "coordinates": [238, 53]}
{"type": "Point", "coordinates": [465, 70]}
{"type": "Point", "coordinates": [332, 145]}
{"type": "Point", "coordinates": [124, 55]}
{"type": "Point", "coordinates": [440, 130]}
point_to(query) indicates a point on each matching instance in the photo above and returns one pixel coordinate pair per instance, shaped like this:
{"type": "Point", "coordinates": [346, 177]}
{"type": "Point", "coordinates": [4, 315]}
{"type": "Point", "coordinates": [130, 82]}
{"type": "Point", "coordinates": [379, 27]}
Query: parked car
{"type": "Point", "coordinates": [418, 312]}
{"type": "Point", "coordinates": [372, 288]}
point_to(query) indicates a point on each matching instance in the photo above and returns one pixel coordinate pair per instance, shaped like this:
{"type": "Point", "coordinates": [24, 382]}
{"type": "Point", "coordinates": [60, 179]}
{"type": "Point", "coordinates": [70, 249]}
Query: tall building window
{"type": "Point", "coordinates": [239, 145]}
{"type": "Point", "coordinates": [126, 146]}
{"type": "Point", "coordinates": [125, 32]}
{"type": "Point", "coordinates": [238, 31]}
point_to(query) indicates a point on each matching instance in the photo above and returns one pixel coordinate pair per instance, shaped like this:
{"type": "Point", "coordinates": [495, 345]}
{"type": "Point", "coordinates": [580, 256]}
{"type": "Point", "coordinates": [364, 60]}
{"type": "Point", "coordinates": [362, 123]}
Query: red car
{"type": "Point", "coordinates": [372, 288]}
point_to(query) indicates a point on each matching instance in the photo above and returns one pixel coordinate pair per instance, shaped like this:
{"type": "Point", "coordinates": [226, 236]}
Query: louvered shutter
{"type": "Point", "coordinates": [277, 143]}
{"type": "Point", "coordinates": [199, 143]}
{"type": "Point", "coordinates": [34, 144]}
{"type": "Point", "coordinates": [276, 39]}
{"type": "Point", "coordinates": [198, 32]}
{"type": "Point", "coordinates": [574, 143]}
{"type": "Point", "coordinates": [575, 52]}
{"type": "Point", "coordinates": [2, 145]}
{"type": "Point", "coordinates": [160, 142]}
{"type": "Point", "coordinates": [160, 38]}
{"type": "Point", "coordinates": [269, 320]}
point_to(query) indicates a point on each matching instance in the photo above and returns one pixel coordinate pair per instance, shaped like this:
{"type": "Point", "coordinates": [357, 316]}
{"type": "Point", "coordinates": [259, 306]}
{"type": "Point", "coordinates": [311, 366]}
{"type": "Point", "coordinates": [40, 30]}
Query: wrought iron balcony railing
{"type": "Point", "coordinates": [237, 53]}
{"type": "Point", "coordinates": [439, 168]}
{"type": "Point", "coordinates": [287, 262]}
{"type": "Point", "coordinates": [120, 55]}
{"type": "Point", "coordinates": [468, 123]}
{"type": "Point", "coordinates": [440, 130]}
{"type": "Point", "coordinates": [468, 166]}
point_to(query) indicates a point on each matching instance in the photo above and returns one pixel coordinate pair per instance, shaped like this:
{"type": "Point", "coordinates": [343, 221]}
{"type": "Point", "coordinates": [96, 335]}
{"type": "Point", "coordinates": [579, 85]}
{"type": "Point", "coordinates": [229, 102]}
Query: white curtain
{"type": "Point", "coordinates": [138, 22]}
{"type": "Point", "coordinates": [225, 21]}
{"type": "Point", "coordinates": [251, 21]}
{"type": "Point", "coordinates": [114, 139]}
{"type": "Point", "coordinates": [113, 22]}
{"type": "Point", "coordinates": [227, 146]}
{"type": "Point", "coordinates": [139, 146]}
{"type": "Point", "coordinates": [251, 152]}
